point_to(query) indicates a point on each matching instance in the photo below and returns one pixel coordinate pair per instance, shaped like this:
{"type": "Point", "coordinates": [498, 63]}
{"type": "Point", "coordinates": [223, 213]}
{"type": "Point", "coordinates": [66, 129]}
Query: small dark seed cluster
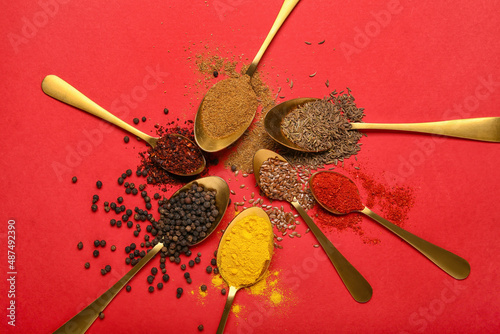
{"type": "Point", "coordinates": [184, 220]}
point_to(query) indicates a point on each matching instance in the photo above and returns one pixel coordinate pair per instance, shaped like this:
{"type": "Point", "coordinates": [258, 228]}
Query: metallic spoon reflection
{"type": "Point", "coordinates": [84, 319]}
{"type": "Point", "coordinates": [452, 264]}
{"type": "Point", "coordinates": [60, 90]}
{"type": "Point", "coordinates": [253, 211]}
{"type": "Point", "coordinates": [481, 129]}
{"type": "Point", "coordinates": [355, 283]}
{"type": "Point", "coordinates": [210, 144]}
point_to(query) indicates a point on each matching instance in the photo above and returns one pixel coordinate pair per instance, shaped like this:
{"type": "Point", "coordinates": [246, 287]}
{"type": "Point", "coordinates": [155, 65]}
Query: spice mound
{"type": "Point", "coordinates": [228, 107]}
{"type": "Point", "coordinates": [244, 254]}
{"type": "Point", "coordinates": [279, 180]}
{"type": "Point", "coordinates": [324, 124]}
{"type": "Point", "coordinates": [176, 154]}
{"type": "Point", "coordinates": [320, 125]}
{"type": "Point", "coordinates": [185, 219]}
{"type": "Point", "coordinates": [336, 192]}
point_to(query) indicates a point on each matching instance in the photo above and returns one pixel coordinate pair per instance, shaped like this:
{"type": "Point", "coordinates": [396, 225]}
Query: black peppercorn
{"type": "Point", "coordinates": [165, 278]}
{"type": "Point", "coordinates": [154, 270]}
{"type": "Point", "coordinates": [98, 184]}
{"type": "Point", "coordinates": [203, 287]}
{"type": "Point", "coordinates": [216, 74]}
{"type": "Point", "coordinates": [150, 279]}
{"type": "Point", "coordinates": [74, 179]}
{"type": "Point", "coordinates": [151, 289]}
{"type": "Point", "coordinates": [191, 263]}
{"type": "Point", "coordinates": [159, 286]}
{"type": "Point", "coordinates": [223, 291]}
{"type": "Point", "coordinates": [94, 207]}
{"type": "Point", "coordinates": [128, 288]}
{"type": "Point", "coordinates": [103, 243]}
{"type": "Point", "coordinates": [143, 118]}
{"type": "Point", "coordinates": [209, 269]}
{"type": "Point", "coordinates": [80, 245]}
{"type": "Point", "coordinates": [200, 328]}
{"type": "Point", "coordinates": [107, 268]}
{"type": "Point", "coordinates": [136, 121]}
{"type": "Point", "coordinates": [126, 139]}
{"type": "Point", "coordinates": [96, 253]}
{"type": "Point", "coordinates": [87, 265]}
{"type": "Point", "coordinates": [97, 243]}
{"type": "Point", "coordinates": [165, 111]}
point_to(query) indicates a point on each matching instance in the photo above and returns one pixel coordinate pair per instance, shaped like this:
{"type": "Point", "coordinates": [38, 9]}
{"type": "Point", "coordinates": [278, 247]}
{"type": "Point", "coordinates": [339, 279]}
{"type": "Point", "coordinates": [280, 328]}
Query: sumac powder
{"type": "Point", "coordinates": [176, 154]}
{"type": "Point", "coordinates": [336, 192]}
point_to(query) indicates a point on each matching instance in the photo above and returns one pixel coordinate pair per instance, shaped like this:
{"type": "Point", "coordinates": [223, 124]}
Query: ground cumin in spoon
{"type": "Point", "coordinates": [228, 105]}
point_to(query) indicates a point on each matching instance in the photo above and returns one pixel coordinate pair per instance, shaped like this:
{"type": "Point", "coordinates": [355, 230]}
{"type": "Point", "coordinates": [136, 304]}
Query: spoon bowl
{"type": "Point", "coordinates": [253, 211]}
{"type": "Point", "coordinates": [202, 138]}
{"type": "Point", "coordinates": [274, 118]}
{"type": "Point", "coordinates": [452, 264]}
{"type": "Point", "coordinates": [84, 319]}
{"type": "Point", "coordinates": [481, 129]}
{"type": "Point", "coordinates": [355, 283]}
{"type": "Point", "coordinates": [60, 90]}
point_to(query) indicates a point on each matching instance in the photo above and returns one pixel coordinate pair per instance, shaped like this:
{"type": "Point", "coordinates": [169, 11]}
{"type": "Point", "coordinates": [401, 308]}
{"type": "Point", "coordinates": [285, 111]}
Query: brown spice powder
{"type": "Point", "coordinates": [228, 106]}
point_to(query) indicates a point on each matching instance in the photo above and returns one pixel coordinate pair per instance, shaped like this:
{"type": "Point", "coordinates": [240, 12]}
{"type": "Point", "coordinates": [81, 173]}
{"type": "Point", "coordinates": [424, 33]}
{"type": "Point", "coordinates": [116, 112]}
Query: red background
{"type": "Point", "coordinates": [420, 63]}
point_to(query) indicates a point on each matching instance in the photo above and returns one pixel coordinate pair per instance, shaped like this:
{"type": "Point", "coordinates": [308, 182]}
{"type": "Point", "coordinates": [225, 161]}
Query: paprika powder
{"type": "Point", "coordinates": [336, 192]}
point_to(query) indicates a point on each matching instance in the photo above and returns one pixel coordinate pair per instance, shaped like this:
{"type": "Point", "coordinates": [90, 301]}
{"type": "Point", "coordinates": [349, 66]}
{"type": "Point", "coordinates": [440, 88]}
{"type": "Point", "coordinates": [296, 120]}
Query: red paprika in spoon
{"type": "Point", "coordinates": [337, 192]}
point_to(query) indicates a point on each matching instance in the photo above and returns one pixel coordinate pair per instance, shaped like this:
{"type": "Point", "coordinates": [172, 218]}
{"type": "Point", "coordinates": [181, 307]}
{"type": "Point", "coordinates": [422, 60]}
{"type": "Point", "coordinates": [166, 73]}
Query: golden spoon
{"type": "Point", "coordinates": [253, 211]}
{"type": "Point", "coordinates": [357, 285]}
{"type": "Point", "coordinates": [452, 264]}
{"type": "Point", "coordinates": [210, 144]}
{"type": "Point", "coordinates": [483, 129]}
{"type": "Point", "coordinates": [84, 319]}
{"type": "Point", "coordinates": [61, 90]}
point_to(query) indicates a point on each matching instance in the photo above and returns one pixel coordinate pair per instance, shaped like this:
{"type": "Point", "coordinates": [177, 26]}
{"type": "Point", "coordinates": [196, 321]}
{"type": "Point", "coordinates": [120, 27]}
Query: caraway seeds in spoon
{"type": "Point", "coordinates": [325, 125]}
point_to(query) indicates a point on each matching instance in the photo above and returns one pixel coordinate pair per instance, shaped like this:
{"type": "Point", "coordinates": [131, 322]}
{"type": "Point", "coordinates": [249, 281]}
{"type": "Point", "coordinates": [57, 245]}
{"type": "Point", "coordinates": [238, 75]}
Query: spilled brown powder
{"type": "Point", "coordinates": [228, 106]}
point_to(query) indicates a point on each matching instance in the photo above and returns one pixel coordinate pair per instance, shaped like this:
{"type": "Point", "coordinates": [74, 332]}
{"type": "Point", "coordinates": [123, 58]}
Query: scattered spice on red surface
{"type": "Point", "coordinates": [336, 192]}
{"type": "Point", "coordinates": [155, 174]}
{"type": "Point", "coordinates": [393, 201]}
{"type": "Point", "coordinates": [176, 154]}
{"type": "Point", "coordinates": [344, 222]}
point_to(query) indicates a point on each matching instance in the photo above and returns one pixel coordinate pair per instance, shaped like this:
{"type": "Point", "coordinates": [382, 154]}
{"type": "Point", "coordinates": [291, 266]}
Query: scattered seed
{"type": "Point", "coordinates": [312, 75]}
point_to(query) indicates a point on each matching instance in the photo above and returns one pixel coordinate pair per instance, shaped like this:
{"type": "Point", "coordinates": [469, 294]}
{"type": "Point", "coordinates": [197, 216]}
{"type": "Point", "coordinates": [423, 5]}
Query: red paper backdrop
{"type": "Point", "coordinates": [405, 61]}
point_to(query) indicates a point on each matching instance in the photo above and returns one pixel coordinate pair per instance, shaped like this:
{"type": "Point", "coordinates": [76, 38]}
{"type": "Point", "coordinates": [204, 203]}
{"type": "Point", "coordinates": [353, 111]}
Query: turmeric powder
{"type": "Point", "coordinates": [244, 254]}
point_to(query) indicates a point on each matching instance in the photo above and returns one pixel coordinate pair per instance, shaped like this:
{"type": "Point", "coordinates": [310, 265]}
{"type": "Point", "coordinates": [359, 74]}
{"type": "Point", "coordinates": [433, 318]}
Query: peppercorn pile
{"type": "Point", "coordinates": [185, 219]}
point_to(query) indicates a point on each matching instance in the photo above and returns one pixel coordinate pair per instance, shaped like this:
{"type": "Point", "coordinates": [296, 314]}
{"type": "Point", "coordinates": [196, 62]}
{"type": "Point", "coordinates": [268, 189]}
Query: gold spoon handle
{"type": "Point", "coordinates": [357, 285]}
{"type": "Point", "coordinates": [452, 264]}
{"type": "Point", "coordinates": [84, 319]}
{"type": "Point", "coordinates": [286, 9]}
{"type": "Point", "coordinates": [61, 90]}
{"type": "Point", "coordinates": [484, 128]}
{"type": "Point", "coordinates": [227, 309]}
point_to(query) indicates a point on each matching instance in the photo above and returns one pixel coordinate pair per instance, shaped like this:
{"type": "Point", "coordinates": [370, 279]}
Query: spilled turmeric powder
{"type": "Point", "coordinates": [245, 251]}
